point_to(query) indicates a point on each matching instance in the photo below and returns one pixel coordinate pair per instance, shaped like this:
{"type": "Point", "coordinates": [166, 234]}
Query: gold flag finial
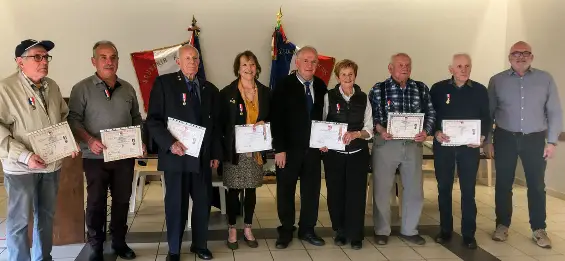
{"type": "Point", "coordinates": [194, 27]}
{"type": "Point", "coordinates": [279, 17]}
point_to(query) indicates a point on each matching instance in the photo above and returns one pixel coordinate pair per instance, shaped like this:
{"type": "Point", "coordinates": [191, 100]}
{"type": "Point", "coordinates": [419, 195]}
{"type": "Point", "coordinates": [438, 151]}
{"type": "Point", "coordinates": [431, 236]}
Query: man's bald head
{"type": "Point", "coordinates": [460, 68]}
{"type": "Point", "coordinates": [521, 57]}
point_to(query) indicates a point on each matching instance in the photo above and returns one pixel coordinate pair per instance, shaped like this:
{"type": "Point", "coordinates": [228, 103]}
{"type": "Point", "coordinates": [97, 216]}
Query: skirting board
{"type": "Point", "coordinates": [548, 191]}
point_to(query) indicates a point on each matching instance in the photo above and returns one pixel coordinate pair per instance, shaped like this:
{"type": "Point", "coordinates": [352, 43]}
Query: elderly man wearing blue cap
{"type": "Point", "coordinates": [29, 101]}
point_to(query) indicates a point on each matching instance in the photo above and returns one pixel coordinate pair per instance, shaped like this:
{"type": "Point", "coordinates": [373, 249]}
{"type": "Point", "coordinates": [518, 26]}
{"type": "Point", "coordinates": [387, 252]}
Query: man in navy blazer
{"type": "Point", "coordinates": [185, 97]}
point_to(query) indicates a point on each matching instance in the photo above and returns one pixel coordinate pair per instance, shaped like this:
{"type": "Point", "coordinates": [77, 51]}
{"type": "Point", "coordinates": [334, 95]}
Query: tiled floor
{"type": "Point", "coordinates": [149, 221]}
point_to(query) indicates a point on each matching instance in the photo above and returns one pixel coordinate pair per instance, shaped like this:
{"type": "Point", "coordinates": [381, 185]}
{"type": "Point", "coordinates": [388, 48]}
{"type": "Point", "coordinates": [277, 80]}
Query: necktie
{"type": "Point", "coordinates": [309, 100]}
{"type": "Point", "coordinates": [193, 98]}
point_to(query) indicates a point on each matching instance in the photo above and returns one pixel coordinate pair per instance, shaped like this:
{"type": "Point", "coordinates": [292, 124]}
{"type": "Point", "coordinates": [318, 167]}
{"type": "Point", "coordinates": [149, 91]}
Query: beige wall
{"type": "Point", "coordinates": [541, 24]}
{"type": "Point", "coordinates": [367, 31]}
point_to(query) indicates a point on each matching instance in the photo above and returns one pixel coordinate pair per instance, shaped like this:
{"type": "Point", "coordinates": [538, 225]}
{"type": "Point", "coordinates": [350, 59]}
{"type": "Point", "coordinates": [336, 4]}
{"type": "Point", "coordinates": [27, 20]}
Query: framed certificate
{"type": "Point", "coordinates": [248, 139]}
{"type": "Point", "coordinates": [327, 134]}
{"type": "Point", "coordinates": [405, 126]}
{"type": "Point", "coordinates": [54, 142]}
{"type": "Point", "coordinates": [190, 135]}
{"type": "Point", "coordinates": [122, 143]}
{"type": "Point", "coordinates": [462, 132]}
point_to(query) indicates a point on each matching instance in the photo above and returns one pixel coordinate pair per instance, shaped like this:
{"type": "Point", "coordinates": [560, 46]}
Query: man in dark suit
{"type": "Point", "coordinates": [183, 96]}
{"type": "Point", "coordinates": [297, 100]}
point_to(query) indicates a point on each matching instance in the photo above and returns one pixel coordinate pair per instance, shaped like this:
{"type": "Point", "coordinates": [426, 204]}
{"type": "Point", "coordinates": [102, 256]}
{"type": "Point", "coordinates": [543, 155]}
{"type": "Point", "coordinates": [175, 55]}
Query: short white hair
{"type": "Point", "coordinates": [396, 55]}
{"type": "Point", "coordinates": [187, 46]}
{"type": "Point", "coordinates": [307, 48]}
{"type": "Point", "coordinates": [457, 55]}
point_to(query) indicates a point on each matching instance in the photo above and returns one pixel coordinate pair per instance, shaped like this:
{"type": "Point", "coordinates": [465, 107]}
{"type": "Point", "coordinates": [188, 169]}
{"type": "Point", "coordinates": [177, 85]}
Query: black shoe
{"type": "Point", "coordinates": [415, 239]}
{"type": "Point", "coordinates": [202, 253]}
{"type": "Point", "coordinates": [442, 237]}
{"type": "Point", "coordinates": [470, 242]}
{"type": "Point", "coordinates": [381, 240]}
{"type": "Point", "coordinates": [312, 238]}
{"type": "Point", "coordinates": [356, 244]}
{"type": "Point", "coordinates": [124, 252]}
{"type": "Point", "coordinates": [285, 237]}
{"type": "Point", "coordinates": [96, 255]}
{"type": "Point", "coordinates": [340, 239]}
{"type": "Point", "coordinates": [173, 257]}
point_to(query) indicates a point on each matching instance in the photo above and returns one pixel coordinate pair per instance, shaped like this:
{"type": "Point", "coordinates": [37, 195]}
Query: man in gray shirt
{"type": "Point", "coordinates": [104, 101]}
{"type": "Point", "coordinates": [525, 106]}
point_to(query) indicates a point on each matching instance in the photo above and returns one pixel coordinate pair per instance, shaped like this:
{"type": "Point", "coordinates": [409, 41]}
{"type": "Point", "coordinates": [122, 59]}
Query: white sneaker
{"type": "Point", "coordinates": [540, 237]}
{"type": "Point", "coordinates": [500, 234]}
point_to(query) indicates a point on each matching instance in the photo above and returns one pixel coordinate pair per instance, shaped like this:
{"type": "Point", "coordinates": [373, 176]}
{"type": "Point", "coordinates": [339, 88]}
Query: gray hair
{"type": "Point", "coordinates": [307, 48]}
{"type": "Point", "coordinates": [103, 43]}
{"type": "Point", "coordinates": [396, 55]}
{"type": "Point", "coordinates": [187, 46]}
{"type": "Point", "coordinates": [457, 55]}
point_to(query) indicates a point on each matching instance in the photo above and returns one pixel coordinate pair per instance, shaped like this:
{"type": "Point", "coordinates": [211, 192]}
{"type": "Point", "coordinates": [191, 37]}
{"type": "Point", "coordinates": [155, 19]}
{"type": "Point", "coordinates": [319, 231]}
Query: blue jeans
{"type": "Point", "coordinates": [37, 190]}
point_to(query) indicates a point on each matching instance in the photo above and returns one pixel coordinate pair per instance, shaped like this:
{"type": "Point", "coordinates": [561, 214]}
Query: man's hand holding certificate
{"type": "Point", "coordinates": [189, 135]}
{"type": "Point", "coordinates": [327, 134]}
{"type": "Point", "coordinates": [122, 143]}
{"type": "Point", "coordinates": [461, 132]}
{"type": "Point", "coordinates": [405, 126]}
{"type": "Point", "coordinates": [53, 143]}
{"type": "Point", "coordinates": [253, 138]}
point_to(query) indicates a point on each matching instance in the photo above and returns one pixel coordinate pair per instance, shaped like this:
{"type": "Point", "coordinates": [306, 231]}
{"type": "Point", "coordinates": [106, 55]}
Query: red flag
{"type": "Point", "coordinates": [325, 68]}
{"type": "Point", "coordinates": [150, 64]}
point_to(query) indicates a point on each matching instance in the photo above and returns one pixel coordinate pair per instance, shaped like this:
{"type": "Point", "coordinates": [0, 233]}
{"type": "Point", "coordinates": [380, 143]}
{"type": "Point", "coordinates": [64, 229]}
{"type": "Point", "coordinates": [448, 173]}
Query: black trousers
{"type": "Point", "coordinates": [508, 146]}
{"type": "Point", "coordinates": [233, 204]}
{"type": "Point", "coordinates": [306, 165]}
{"type": "Point", "coordinates": [118, 176]}
{"type": "Point", "coordinates": [181, 185]}
{"type": "Point", "coordinates": [467, 161]}
{"type": "Point", "coordinates": [346, 181]}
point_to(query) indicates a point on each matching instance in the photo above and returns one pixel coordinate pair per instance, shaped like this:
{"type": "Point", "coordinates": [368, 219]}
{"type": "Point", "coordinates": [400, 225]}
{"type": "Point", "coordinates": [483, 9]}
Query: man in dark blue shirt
{"type": "Point", "coordinates": [458, 98]}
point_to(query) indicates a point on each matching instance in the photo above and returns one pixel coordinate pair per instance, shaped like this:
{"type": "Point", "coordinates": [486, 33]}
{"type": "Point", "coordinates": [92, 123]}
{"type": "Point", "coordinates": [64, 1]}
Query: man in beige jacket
{"type": "Point", "coordinates": [29, 101]}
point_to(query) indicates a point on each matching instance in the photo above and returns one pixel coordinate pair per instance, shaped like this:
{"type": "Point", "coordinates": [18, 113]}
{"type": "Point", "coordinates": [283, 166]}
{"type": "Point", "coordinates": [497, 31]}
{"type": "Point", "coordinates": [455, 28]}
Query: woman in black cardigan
{"type": "Point", "coordinates": [244, 101]}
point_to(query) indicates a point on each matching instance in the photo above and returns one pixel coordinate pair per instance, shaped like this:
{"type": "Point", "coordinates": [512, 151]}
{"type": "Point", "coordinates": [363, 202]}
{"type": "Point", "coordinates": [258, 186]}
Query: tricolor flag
{"type": "Point", "coordinates": [284, 55]}
{"type": "Point", "coordinates": [150, 64]}
{"type": "Point", "coordinates": [282, 51]}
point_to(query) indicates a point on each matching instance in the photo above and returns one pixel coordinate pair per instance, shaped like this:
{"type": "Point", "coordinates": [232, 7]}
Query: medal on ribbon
{"type": "Point", "coordinates": [184, 99]}
{"type": "Point", "coordinates": [107, 94]}
{"type": "Point", "coordinates": [240, 109]}
{"type": "Point", "coordinates": [31, 101]}
{"type": "Point", "coordinates": [448, 99]}
{"type": "Point", "coordinates": [337, 107]}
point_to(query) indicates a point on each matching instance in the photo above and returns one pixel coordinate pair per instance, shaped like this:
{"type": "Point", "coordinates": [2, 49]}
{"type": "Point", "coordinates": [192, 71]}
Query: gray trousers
{"type": "Point", "coordinates": [387, 157]}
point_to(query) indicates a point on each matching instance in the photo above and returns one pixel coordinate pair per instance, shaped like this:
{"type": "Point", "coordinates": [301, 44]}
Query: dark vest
{"type": "Point", "coordinates": [352, 113]}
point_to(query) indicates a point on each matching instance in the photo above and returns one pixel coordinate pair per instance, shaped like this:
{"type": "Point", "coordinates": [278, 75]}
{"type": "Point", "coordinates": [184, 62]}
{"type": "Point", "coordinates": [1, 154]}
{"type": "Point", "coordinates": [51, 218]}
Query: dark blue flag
{"type": "Point", "coordinates": [283, 50]}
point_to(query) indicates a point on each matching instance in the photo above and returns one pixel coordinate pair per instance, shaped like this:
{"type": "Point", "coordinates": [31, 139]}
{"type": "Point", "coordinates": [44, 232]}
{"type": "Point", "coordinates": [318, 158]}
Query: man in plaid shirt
{"type": "Point", "coordinates": [399, 94]}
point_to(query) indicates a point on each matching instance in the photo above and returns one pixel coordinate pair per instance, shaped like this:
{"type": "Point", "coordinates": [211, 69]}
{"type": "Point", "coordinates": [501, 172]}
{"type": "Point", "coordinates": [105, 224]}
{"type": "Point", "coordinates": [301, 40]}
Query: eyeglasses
{"type": "Point", "coordinates": [525, 54]}
{"type": "Point", "coordinates": [39, 58]}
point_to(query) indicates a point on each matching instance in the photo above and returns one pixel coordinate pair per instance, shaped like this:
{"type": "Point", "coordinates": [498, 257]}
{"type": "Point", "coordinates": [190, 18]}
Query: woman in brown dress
{"type": "Point", "coordinates": [244, 101]}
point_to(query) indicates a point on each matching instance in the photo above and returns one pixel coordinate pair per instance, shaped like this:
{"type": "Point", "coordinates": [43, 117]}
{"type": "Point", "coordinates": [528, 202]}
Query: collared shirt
{"type": "Point", "coordinates": [40, 91]}
{"type": "Point", "coordinates": [414, 98]}
{"type": "Point", "coordinates": [368, 118]}
{"type": "Point", "coordinates": [526, 104]}
{"type": "Point", "coordinates": [311, 85]}
{"type": "Point", "coordinates": [466, 102]}
{"type": "Point", "coordinates": [197, 85]}
{"type": "Point", "coordinates": [92, 111]}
